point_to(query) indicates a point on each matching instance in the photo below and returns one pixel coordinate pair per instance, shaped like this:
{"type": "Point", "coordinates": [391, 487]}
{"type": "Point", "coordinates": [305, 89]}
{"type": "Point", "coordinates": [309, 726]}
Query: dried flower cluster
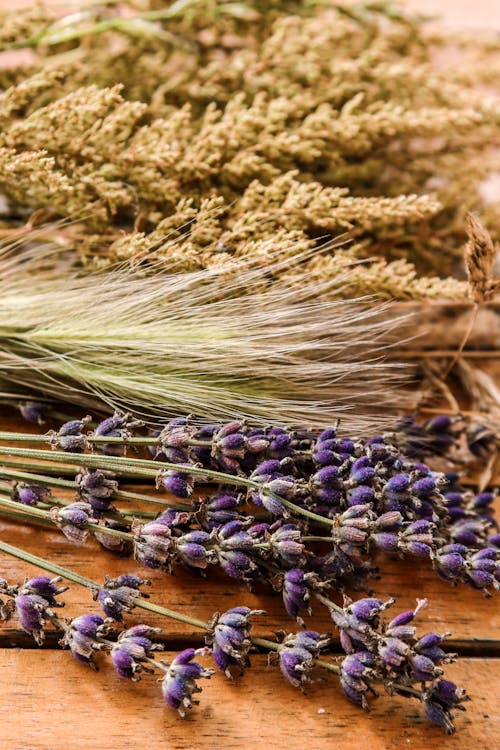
{"type": "Point", "coordinates": [210, 134]}
{"type": "Point", "coordinates": [325, 504]}
{"type": "Point", "coordinates": [389, 655]}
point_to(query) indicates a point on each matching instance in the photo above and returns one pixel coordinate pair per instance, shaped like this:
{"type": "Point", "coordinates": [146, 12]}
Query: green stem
{"type": "Point", "coordinates": [88, 583]}
{"type": "Point", "coordinates": [44, 514]}
{"type": "Point", "coordinates": [141, 468]}
{"type": "Point", "coordinates": [328, 603]}
{"type": "Point", "coordinates": [68, 484]}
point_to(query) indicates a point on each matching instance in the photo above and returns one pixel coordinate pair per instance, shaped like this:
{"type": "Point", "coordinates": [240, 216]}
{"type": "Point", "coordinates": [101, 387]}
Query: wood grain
{"type": "Point", "coordinates": [60, 704]}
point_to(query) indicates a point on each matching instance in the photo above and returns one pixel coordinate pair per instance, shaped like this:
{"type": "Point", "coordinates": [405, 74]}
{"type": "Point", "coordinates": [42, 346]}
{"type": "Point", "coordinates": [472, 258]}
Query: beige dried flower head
{"type": "Point", "coordinates": [480, 255]}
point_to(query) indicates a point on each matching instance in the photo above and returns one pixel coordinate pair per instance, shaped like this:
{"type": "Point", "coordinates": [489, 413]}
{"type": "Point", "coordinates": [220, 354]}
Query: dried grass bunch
{"type": "Point", "coordinates": [214, 343]}
{"type": "Point", "coordinates": [244, 129]}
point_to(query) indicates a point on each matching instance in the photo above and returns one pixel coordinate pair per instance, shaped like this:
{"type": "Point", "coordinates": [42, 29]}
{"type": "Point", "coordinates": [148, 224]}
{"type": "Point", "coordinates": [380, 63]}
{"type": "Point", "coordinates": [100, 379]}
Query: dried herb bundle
{"type": "Point", "coordinates": [216, 342]}
{"type": "Point", "coordinates": [238, 125]}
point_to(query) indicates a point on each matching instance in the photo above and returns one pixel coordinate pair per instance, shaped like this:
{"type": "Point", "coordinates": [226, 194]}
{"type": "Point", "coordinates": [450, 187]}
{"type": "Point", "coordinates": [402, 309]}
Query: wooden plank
{"type": "Point", "coordinates": [59, 703]}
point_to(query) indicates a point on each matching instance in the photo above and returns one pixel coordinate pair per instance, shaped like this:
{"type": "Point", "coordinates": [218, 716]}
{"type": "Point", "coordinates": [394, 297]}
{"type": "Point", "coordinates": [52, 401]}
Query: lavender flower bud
{"type": "Point", "coordinates": [358, 633]}
{"type": "Point", "coordinates": [469, 531]}
{"type": "Point", "coordinates": [81, 637]}
{"type": "Point", "coordinates": [193, 549]}
{"type": "Point", "coordinates": [361, 472]}
{"type": "Point", "coordinates": [286, 544]}
{"type": "Point", "coordinates": [440, 699]}
{"type": "Point", "coordinates": [296, 656]}
{"type": "Point", "coordinates": [219, 510]}
{"type": "Point", "coordinates": [153, 545]}
{"type": "Point", "coordinates": [360, 495]}
{"type": "Point", "coordinates": [417, 539]}
{"type": "Point", "coordinates": [32, 411]}
{"type": "Point", "coordinates": [32, 611]}
{"type": "Point", "coordinates": [45, 587]}
{"type": "Point", "coordinates": [96, 487]}
{"type": "Point", "coordinates": [72, 520]}
{"type": "Point", "coordinates": [230, 638]}
{"type": "Point", "coordinates": [30, 494]}
{"type": "Point", "coordinates": [357, 669]}
{"type": "Point", "coordinates": [132, 647]}
{"type": "Point", "coordinates": [178, 483]}
{"type": "Point", "coordinates": [352, 526]}
{"type": "Point", "coordinates": [69, 437]}
{"type": "Point", "coordinates": [117, 426]}
{"type": "Point", "coordinates": [176, 435]}
{"type": "Point", "coordinates": [449, 561]}
{"type": "Point", "coordinates": [296, 593]}
{"type": "Point", "coordinates": [179, 684]}
{"type": "Point", "coordinates": [483, 569]}
{"type": "Point", "coordinates": [117, 595]}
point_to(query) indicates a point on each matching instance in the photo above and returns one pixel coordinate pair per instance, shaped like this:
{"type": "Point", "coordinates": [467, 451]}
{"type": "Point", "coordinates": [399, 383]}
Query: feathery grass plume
{"type": "Point", "coordinates": [215, 342]}
{"type": "Point", "coordinates": [300, 117]}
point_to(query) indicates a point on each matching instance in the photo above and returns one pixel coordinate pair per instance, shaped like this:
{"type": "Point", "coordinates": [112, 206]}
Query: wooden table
{"type": "Point", "coordinates": [58, 703]}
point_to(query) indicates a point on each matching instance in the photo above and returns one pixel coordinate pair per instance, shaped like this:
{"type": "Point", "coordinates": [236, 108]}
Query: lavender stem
{"type": "Point", "coordinates": [141, 468]}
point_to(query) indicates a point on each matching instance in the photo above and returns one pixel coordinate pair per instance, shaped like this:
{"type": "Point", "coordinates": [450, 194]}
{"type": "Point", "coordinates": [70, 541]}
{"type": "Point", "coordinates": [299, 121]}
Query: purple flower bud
{"type": "Point", "coordinates": [81, 637]}
{"type": "Point", "coordinates": [96, 487]}
{"type": "Point", "coordinates": [193, 549]}
{"type": "Point", "coordinates": [180, 484]}
{"type": "Point", "coordinates": [32, 611]}
{"type": "Point", "coordinates": [118, 426]}
{"type": "Point", "coordinates": [30, 494]}
{"type": "Point", "coordinates": [296, 655]}
{"type": "Point", "coordinates": [280, 444]}
{"type": "Point", "coordinates": [360, 495]}
{"type": "Point", "coordinates": [296, 592]}
{"type": "Point", "coordinates": [324, 457]}
{"type": "Point", "coordinates": [32, 411]}
{"type": "Point", "coordinates": [230, 638]}
{"type": "Point", "coordinates": [385, 541]}
{"type": "Point", "coordinates": [469, 531]}
{"type": "Point", "coordinates": [439, 700]}
{"type": "Point", "coordinates": [423, 487]}
{"type": "Point", "coordinates": [219, 510]}
{"type": "Point", "coordinates": [117, 595]}
{"type": "Point", "coordinates": [176, 434]}
{"type": "Point", "coordinates": [70, 437]}
{"type": "Point", "coordinates": [398, 483]}
{"type": "Point", "coordinates": [286, 544]}
{"type": "Point", "coordinates": [132, 647]}
{"type": "Point", "coordinates": [72, 520]}
{"type": "Point", "coordinates": [357, 669]}
{"type": "Point", "coordinates": [45, 587]}
{"type": "Point", "coordinates": [153, 545]}
{"type": "Point", "coordinates": [368, 610]}
{"type": "Point", "coordinates": [393, 651]}
{"type": "Point", "coordinates": [179, 684]}
{"type": "Point", "coordinates": [449, 563]}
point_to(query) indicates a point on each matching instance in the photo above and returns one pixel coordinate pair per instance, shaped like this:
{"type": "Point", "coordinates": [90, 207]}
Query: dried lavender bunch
{"type": "Point", "coordinates": [390, 655]}
{"type": "Point", "coordinates": [131, 650]}
{"type": "Point", "coordinates": [367, 494]}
